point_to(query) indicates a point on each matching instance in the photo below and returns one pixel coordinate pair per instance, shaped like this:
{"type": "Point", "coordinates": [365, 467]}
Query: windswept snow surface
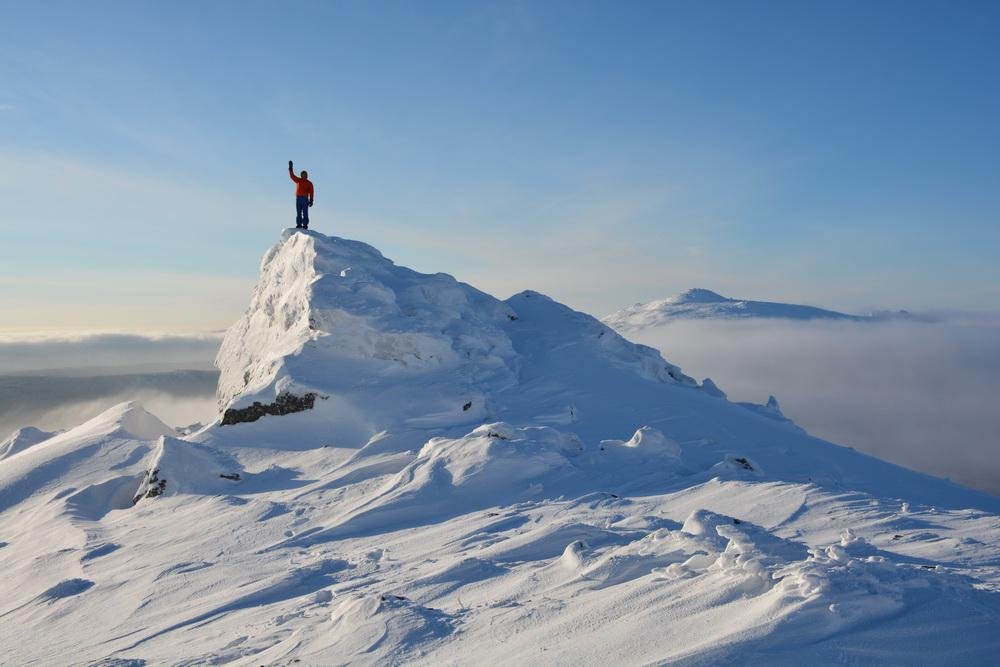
{"type": "Point", "coordinates": [477, 481]}
{"type": "Point", "coordinates": [705, 304]}
{"type": "Point", "coordinates": [21, 439]}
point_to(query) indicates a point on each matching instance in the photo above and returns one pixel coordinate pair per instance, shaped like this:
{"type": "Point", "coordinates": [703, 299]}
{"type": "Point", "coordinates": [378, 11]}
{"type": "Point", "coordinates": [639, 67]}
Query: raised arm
{"type": "Point", "coordinates": [291, 174]}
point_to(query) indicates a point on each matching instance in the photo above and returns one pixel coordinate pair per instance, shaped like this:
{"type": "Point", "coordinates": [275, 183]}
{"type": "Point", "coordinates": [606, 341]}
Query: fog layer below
{"type": "Point", "coordinates": [919, 394]}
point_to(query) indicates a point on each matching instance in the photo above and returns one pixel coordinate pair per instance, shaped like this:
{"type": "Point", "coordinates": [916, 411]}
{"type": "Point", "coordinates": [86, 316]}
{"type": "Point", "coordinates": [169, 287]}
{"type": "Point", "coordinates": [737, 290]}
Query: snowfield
{"type": "Point", "coordinates": [408, 470]}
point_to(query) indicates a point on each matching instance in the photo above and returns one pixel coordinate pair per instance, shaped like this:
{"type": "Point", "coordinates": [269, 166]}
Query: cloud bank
{"type": "Point", "coordinates": [33, 353]}
{"type": "Point", "coordinates": [917, 394]}
{"type": "Point", "coordinates": [56, 402]}
{"type": "Point", "coordinates": [57, 381]}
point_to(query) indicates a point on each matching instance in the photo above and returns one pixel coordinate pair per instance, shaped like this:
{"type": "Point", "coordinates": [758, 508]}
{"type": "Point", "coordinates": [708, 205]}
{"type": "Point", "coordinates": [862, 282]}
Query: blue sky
{"type": "Point", "coordinates": [842, 154]}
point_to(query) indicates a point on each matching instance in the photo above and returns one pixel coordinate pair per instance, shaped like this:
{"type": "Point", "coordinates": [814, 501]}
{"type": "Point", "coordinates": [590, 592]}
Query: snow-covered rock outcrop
{"type": "Point", "coordinates": [94, 466]}
{"type": "Point", "coordinates": [178, 467]}
{"type": "Point", "coordinates": [336, 328]}
{"type": "Point", "coordinates": [324, 303]}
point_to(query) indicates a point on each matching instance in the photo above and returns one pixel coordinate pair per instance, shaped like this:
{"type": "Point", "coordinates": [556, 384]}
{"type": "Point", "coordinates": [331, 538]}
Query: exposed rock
{"type": "Point", "coordinates": [284, 404]}
{"type": "Point", "coordinates": [178, 467]}
{"type": "Point", "coordinates": [151, 485]}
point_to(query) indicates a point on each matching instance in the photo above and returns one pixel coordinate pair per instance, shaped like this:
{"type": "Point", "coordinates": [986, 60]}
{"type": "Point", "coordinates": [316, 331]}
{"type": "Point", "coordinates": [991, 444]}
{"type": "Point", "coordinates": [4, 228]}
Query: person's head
{"type": "Point", "coordinates": [304, 174]}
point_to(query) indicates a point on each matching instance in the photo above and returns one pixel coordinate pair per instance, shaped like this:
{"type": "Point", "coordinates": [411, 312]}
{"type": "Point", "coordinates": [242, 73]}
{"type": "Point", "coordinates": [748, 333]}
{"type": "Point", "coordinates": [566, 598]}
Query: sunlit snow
{"type": "Point", "coordinates": [476, 481]}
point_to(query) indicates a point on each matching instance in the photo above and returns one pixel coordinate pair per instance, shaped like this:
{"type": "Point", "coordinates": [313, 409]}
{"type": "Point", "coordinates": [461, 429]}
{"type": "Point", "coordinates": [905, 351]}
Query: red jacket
{"type": "Point", "coordinates": [303, 186]}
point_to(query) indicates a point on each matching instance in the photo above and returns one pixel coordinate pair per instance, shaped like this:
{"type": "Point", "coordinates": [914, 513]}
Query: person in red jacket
{"type": "Point", "coordinates": [303, 197]}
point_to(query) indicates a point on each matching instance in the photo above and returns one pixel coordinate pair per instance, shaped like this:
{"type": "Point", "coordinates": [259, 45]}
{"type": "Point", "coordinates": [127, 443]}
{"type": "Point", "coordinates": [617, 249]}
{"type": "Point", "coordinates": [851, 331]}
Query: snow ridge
{"type": "Point", "coordinates": [705, 304]}
{"type": "Point", "coordinates": [22, 439]}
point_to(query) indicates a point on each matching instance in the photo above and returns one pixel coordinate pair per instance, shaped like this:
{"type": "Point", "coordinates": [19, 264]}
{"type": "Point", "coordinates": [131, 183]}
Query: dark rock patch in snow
{"type": "Point", "coordinates": [284, 404]}
{"type": "Point", "coordinates": [151, 485]}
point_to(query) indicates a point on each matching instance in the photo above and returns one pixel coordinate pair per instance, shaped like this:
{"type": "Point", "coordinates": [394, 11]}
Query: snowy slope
{"type": "Point", "coordinates": [408, 470]}
{"type": "Point", "coordinates": [705, 304]}
{"type": "Point", "coordinates": [22, 439]}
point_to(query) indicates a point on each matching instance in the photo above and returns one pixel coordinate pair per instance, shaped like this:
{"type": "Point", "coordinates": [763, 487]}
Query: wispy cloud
{"type": "Point", "coordinates": [77, 300]}
{"type": "Point", "coordinates": [108, 190]}
{"type": "Point", "coordinates": [183, 255]}
{"type": "Point", "coordinates": [585, 248]}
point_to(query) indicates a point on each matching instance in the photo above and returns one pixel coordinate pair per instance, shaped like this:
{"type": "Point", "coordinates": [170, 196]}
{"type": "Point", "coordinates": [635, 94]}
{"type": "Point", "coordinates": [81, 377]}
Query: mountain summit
{"type": "Point", "coordinates": [697, 295]}
{"type": "Point", "coordinates": [368, 346]}
{"type": "Point", "coordinates": [408, 470]}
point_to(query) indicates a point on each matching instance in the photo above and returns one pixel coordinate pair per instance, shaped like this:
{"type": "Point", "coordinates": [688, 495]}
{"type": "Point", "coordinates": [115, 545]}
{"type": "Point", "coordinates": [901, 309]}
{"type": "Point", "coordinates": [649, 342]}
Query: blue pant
{"type": "Point", "coordinates": [302, 211]}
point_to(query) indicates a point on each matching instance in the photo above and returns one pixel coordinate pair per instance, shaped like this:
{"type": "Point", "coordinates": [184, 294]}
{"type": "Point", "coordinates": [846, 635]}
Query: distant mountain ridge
{"type": "Point", "coordinates": [700, 303]}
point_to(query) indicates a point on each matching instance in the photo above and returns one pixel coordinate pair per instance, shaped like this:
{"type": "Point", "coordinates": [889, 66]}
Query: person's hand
{"type": "Point", "coordinates": [289, 164]}
{"type": "Point", "coordinates": [310, 204]}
